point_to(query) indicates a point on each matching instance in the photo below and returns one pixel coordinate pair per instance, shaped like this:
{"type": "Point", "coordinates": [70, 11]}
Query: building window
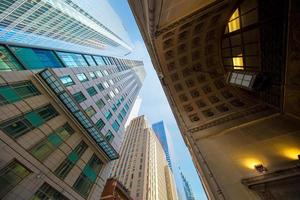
{"type": "Point", "coordinates": [79, 97]}
{"type": "Point", "coordinates": [44, 148]}
{"type": "Point", "coordinates": [114, 107]}
{"type": "Point", "coordinates": [7, 61]}
{"type": "Point", "coordinates": [99, 73]}
{"type": "Point", "coordinates": [90, 111]}
{"type": "Point", "coordinates": [100, 124]}
{"type": "Point", "coordinates": [126, 106]}
{"type": "Point", "coordinates": [112, 94]}
{"type": "Point", "coordinates": [65, 167]}
{"type": "Point", "coordinates": [15, 92]}
{"type": "Point", "coordinates": [100, 103]}
{"type": "Point", "coordinates": [11, 175]}
{"type": "Point", "coordinates": [120, 117]}
{"type": "Point", "coordinates": [87, 178]}
{"type": "Point", "coordinates": [105, 72]}
{"type": "Point", "coordinates": [47, 192]}
{"type": "Point", "coordinates": [99, 60]}
{"type": "Point", "coordinates": [108, 115]}
{"type": "Point", "coordinates": [242, 79]}
{"type": "Point", "coordinates": [92, 75]}
{"type": "Point", "coordinates": [240, 46]}
{"type": "Point", "coordinates": [105, 84]}
{"type": "Point", "coordinates": [109, 136]}
{"type": "Point", "coordinates": [123, 112]}
{"type": "Point", "coordinates": [23, 124]}
{"type": "Point", "coordinates": [107, 97]}
{"type": "Point", "coordinates": [36, 58]}
{"type": "Point", "coordinates": [72, 59]}
{"type": "Point", "coordinates": [82, 77]}
{"type": "Point", "coordinates": [92, 91]}
{"type": "Point", "coordinates": [234, 21]}
{"type": "Point", "coordinates": [116, 126]}
{"type": "Point", "coordinates": [67, 80]}
{"type": "Point", "coordinates": [90, 60]}
{"type": "Point", "coordinates": [100, 87]}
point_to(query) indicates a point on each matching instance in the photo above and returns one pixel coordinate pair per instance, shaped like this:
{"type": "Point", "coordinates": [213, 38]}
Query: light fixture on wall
{"type": "Point", "coordinates": [260, 168]}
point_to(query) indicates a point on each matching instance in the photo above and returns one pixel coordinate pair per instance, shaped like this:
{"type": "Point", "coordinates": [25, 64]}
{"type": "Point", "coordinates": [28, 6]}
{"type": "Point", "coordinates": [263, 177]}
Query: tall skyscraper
{"type": "Point", "coordinates": [63, 105]}
{"type": "Point", "coordinates": [74, 25]}
{"type": "Point", "coordinates": [142, 166]}
{"type": "Point", "coordinates": [160, 131]}
{"type": "Point", "coordinates": [61, 127]}
{"type": "Point", "coordinates": [187, 188]}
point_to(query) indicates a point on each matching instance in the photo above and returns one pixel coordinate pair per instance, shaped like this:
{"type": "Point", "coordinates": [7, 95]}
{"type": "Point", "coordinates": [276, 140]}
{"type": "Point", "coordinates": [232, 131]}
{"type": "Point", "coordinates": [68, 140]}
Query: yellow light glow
{"type": "Point", "coordinates": [291, 153]}
{"type": "Point", "coordinates": [238, 62]}
{"type": "Point", "coordinates": [251, 162]}
{"type": "Point", "coordinates": [234, 21]}
{"type": "Point", "coordinates": [234, 15]}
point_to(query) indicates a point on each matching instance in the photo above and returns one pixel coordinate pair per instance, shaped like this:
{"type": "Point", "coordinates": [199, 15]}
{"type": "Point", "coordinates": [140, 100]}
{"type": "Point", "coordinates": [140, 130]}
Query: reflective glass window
{"type": "Point", "coordinates": [82, 77]}
{"type": "Point", "coordinates": [108, 115]}
{"type": "Point", "coordinates": [7, 61]}
{"type": "Point", "coordinates": [72, 59]}
{"type": "Point", "coordinates": [92, 91]}
{"type": "Point", "coordinates": [46, 192]}
{"type": "Point", "coordinates": [79, 97]}
{"type": "Point", "coordinates": [99, 60]}
{"type": "Point", "coordinates": [90, 111]}
{"type": "Point", "coordinates": [90, 60]}
{"type": "Point", "coordinates": [44, 148]}
{"type": "Point", "coordinates": [67, 80]}
{"type": "Point", "coordinates": [116, 125]}
{"type": "Point", "coordinates": [100, 103]}
{"type": "Point", "coordinates": [36, 58]}
{"type": "Point", "coordinates": [15, 92]}
{"type": "Point", "coordinates": [66, 166]}
{"type": "Point", "coordinates": [109, 136]}
{"type": "Point", "coordinates": [11, 175]}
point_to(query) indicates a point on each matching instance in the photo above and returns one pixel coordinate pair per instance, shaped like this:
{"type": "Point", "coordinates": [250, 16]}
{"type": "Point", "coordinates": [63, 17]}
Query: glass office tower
{"type": "Point", "coordinates": [89, 26]}
{"type": "Point", "coordinates": [63, 103]}
{"type": "Point", "coordinates": [61, 127]}
{"type": "Point", "coordinates": [160, 132]}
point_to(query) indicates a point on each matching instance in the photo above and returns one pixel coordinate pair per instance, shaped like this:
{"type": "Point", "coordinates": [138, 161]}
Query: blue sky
{"type": "Point", "coordinates": [155, 105]}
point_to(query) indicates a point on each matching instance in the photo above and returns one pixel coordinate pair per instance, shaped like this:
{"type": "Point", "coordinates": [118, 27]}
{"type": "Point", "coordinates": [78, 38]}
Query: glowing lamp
{"type": "Point", "coordinates": [260, 168]}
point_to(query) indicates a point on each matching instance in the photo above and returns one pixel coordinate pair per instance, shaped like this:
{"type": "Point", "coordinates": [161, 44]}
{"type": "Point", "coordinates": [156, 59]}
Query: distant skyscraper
{"type": "Point", "coordinates": [142, 166]}
{"type": "Point", "coordinates": [64, 25]}
{"type": "Point", "coordinates": [187, 188]}
{"type": "Point", "coordinates": [160, 132]}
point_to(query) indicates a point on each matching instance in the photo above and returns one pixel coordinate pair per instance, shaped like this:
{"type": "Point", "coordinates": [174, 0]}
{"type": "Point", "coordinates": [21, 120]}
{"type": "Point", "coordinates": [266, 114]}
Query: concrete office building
{"type": "Point", "coordinates": [142, 166]}
{"type": "Point", "coordinates": [230, 70]}
{"type": "Point", "coordinates": [160, 131]}
{"type": "Point", "coordinates": [60, 128]}
{"type": "Point", "coordinates": [89, 26]}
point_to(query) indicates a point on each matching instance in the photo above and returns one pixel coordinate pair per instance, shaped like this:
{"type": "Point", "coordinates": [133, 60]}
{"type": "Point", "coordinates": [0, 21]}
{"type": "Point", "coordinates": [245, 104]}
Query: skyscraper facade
{"type": "Point", "coordinates": [61, 127]}
{"type": "Point", "coordinates": [63, 104]}
{"type": "Point", "coordinates": [142, 166]}
{"type": "Point", "coordinates": [187, 188]}
{"type": "Point", "coordinates": [64, 25]}
{"type": "Point", "coordinates": [160, 131]}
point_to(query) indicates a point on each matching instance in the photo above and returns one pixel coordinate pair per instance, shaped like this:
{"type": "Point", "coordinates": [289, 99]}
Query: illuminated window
{"type": "Point", "coordinates": [238, 62]}
{"type": "Point", "coordinates": [242, 79]}
{"type": "Point", "coordinates": [234, 21]}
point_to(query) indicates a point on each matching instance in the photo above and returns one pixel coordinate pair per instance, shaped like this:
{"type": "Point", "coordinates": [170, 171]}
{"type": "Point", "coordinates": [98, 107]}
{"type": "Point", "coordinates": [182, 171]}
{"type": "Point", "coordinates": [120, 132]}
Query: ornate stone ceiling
{"type": "Point", "coordinates": [175, 9]}
{"type": "Point", "coordinates": [189, 55]}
